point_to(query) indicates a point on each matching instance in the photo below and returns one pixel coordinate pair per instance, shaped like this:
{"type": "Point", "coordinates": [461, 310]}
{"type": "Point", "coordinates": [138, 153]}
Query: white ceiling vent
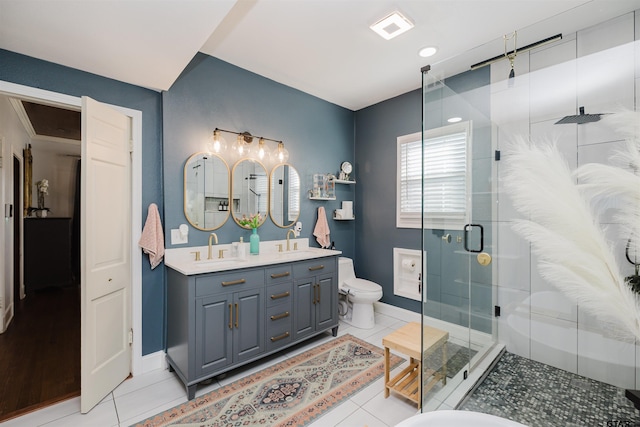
{"type": "Point", "coordinates": [392, 25]}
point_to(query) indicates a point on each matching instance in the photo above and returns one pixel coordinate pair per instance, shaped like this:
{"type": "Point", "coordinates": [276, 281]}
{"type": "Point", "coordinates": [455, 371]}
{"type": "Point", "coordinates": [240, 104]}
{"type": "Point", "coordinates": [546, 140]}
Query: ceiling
{"type": "Point", "coordinates": [321, 47]}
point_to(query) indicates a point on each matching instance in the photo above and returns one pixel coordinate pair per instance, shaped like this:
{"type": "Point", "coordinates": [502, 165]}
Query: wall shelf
{"type": "Point", "coordinates": [321, 198]}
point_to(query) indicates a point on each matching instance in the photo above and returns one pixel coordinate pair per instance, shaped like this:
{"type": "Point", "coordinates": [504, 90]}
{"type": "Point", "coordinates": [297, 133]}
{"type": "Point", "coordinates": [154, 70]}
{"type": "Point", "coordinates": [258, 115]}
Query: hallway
{"type": "Point", "coordinates": [40, 352]}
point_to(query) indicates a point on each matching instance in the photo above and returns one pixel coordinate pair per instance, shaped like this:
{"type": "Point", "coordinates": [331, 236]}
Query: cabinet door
{"type": "Point", "coordinates": [326, 306]}
{"type": "Point", "coordinates": [213, 338]}
{"type": "Point", "coordinates": [303, 307]}
{"type": "Point", "coordinates": [248, 323]}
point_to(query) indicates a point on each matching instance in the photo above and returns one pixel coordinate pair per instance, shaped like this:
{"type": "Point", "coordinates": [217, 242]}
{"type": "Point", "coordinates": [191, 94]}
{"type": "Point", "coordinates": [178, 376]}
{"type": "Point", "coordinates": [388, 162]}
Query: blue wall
{"type": "Point", "coordinates": [33, 72]}
{"type": "Point", "coordinates": [211, 93]}
{"type": "Point", "coordinates": [377, 128]}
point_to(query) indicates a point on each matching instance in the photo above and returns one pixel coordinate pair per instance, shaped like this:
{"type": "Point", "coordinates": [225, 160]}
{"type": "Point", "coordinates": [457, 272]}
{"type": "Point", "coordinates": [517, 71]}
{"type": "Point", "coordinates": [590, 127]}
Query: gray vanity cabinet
{"type": "Point", "coordinates": [315, 296]}
{"type": "Point", "coordinates": [219, 321]}
{"type": "Point", "coordinates": [279, 306]}
{"type": "Point", "coordinates": [214, 321]}
{"type": "Point", "coordinates": [230, 328]}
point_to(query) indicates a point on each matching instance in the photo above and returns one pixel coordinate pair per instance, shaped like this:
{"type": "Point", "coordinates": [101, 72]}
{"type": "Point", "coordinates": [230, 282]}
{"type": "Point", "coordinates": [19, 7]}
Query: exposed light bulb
{"type": "Point", "coordinates": [261, 149]}
{"type": "Point", "coordinates": [218, 145]}
{"type": "Point", "coordinates": [239, 147]}
{"type": "Point", "coordinates": [280, 154]}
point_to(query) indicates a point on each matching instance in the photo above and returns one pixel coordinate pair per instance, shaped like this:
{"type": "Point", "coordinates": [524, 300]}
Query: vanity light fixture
{"type": "Point", "coordinates": [241, 148]}
{"type": "Point", "coordinates": [392, 25]}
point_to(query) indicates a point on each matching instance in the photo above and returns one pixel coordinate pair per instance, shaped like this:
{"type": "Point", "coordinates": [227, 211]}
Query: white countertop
{"type": "Point", "coordinates": [183, 259]}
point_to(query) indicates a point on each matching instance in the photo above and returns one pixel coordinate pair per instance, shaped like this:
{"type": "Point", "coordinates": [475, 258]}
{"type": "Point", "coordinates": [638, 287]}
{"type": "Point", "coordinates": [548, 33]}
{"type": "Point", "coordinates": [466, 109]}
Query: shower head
{"type": "Point", "coordinates": [580, 118]}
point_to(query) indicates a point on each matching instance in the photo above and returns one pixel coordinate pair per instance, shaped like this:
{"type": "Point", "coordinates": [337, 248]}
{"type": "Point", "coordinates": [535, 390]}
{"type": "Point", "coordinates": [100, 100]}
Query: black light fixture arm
{"type": "Point", "coordinates": [248, 138]}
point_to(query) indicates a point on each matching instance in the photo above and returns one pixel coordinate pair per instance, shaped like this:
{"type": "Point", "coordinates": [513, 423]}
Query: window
{"type": "Point", "coordinates": [294, 194]}
{"type": "Point", "coordinates": [447, 178]}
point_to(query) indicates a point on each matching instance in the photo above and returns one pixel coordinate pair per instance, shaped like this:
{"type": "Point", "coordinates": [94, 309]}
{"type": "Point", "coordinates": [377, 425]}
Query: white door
{"type": "Point", "coordinates": [105, 251]}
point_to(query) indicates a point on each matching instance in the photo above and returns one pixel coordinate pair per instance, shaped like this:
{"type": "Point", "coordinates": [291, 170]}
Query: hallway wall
{"type": "Point", "coordinates": [14, 138]}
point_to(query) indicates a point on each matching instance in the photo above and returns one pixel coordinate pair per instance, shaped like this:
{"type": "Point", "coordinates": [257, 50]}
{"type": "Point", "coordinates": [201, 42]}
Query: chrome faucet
{"type": "Point", "coordinates": [294, 236]}
{"type": "Point", "coordinates": [212, 236]}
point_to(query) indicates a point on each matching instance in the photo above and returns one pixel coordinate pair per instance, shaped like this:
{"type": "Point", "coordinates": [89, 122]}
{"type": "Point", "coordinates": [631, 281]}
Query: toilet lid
{"type": "Point", "coordinates": [361, 285]}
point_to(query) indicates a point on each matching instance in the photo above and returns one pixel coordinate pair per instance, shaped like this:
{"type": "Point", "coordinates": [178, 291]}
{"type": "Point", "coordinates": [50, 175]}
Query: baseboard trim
{"type": "Point", "coordinates": [153, 361]}
{"type": "Point", "coordinates": [397, 312]}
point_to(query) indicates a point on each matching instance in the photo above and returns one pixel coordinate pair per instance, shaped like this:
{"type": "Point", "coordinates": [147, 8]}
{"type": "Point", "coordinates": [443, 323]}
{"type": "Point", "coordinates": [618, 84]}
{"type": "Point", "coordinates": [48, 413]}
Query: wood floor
{"type": "Point", "coordinates": [40, 352]}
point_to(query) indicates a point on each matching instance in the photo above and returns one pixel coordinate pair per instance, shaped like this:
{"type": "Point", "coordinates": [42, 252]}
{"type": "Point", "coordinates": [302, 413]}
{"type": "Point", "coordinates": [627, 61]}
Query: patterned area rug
{"type": "Point", "coordinates": [291, 393]}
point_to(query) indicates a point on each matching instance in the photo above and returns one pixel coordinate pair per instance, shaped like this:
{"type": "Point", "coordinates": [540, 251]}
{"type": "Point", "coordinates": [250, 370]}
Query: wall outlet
{"type": "Point", "coordinates": [177, 238]}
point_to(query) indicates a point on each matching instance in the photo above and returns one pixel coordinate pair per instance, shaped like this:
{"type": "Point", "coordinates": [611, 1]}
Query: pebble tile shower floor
{"type": "Point", "coordinates": [540, 395]}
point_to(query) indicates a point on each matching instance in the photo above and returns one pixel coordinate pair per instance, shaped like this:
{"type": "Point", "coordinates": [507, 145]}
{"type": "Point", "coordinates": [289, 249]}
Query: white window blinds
{"type": "Point", "coordinates": [446, 179]}
{"type": "Point", "coordinates": [294, 195]}
{"type": "Point", "coordinates": [445, 170]}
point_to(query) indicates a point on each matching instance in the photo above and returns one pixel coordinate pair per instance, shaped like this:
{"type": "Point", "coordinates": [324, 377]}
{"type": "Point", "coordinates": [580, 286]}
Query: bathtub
{"type": "Point", "coordinates": [457, 419]}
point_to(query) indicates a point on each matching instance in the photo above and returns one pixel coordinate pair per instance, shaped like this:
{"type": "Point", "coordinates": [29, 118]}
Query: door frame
{"type": "Point", "coordinates": [75, 103]}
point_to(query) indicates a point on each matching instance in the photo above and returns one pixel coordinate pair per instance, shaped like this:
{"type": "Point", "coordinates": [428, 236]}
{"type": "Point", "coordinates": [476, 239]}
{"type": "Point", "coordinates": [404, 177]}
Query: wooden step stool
{"type": "Point", "coordinates": [406, 340]}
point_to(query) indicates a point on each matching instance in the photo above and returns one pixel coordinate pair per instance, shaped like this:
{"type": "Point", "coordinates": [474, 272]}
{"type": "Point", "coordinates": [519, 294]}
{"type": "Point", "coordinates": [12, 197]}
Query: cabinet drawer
{"type": "Point", "coordinates": [229, 282]}
{"type": "Point", "coordinates": [278, 274]}
{"type": "Point", "coordinates": [314, 267]}
{"type": "Point", "coordinates": [279, 323]}
{"type": "Point", "coordinates": [278, 294]}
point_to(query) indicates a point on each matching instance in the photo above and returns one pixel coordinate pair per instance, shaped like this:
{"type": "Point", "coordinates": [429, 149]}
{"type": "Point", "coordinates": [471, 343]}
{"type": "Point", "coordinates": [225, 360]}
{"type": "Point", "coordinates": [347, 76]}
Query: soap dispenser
{"type": "Point", "coordinates": [241, 249]}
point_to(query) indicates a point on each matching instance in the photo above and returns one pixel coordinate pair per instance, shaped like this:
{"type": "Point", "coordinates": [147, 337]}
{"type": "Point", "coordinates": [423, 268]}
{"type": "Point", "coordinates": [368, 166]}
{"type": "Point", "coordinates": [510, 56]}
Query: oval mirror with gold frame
{"type": "Point", "coordinates": [249, 191]}
{"type": "Point", "coordinates": [284, 195]}
{"type": "Point", "coordinates": [206, 191]}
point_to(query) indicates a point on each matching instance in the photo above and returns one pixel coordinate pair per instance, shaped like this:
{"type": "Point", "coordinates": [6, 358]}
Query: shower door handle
{"type": "Point", "coordinates": [467, 229]}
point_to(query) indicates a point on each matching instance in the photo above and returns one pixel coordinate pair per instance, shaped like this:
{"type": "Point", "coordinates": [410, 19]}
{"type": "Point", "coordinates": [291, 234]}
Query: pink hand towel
{"type": "Point", "coordinates": [152, 238]}
{"type": "Point", "coordinates": [322, 229]}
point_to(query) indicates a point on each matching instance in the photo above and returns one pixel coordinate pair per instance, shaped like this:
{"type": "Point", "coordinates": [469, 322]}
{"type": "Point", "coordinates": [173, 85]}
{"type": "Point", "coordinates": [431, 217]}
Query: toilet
{"type": "Point", "coordinates": [356, 296]}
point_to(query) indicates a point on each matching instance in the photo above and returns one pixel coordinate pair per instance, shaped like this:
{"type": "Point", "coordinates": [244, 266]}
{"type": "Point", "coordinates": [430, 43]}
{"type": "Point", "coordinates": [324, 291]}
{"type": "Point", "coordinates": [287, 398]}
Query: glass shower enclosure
{"type": "Point", "coordinates": [458, 240]}
{"type": "Point", "coordinates": [482, 290]}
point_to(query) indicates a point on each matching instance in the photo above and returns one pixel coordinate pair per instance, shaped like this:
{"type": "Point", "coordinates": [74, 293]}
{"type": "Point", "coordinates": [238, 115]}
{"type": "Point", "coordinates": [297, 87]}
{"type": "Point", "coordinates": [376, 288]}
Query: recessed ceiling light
{"type": "Point", "coordinates": [428, 51]}
{"type": "Point", "coordinates": [392, 25]}
{"type": "Point", "coordinates": [454, 119]}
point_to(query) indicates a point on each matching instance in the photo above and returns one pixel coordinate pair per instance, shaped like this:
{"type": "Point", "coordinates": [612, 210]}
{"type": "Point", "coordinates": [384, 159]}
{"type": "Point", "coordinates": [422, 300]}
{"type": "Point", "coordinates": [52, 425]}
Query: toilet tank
{"type": "Point", "coordinates": [345, 269]}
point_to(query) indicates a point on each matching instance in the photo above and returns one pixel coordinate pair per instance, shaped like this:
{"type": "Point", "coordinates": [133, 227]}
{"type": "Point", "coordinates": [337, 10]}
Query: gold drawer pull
{"type": "Point", "coordinates": [282, 295]}
{"type": "Point", "coordinates": [230, 316]}
{"type": "Point", "coordinates": [317, 267]}
{"type": "Point", "coordinates": [280, 337]}
{"type": "Point", "coordinates": [279, 275]}
{"type": "Point", "coordinates": [234, 282]}
{"type": "Point", "coordinates": [280, 316]}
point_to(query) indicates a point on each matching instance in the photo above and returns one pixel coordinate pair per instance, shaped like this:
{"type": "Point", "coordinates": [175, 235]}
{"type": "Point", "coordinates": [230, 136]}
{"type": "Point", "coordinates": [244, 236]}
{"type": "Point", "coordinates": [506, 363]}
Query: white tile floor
{"type": "Point", "coordinates": [146, 395]}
